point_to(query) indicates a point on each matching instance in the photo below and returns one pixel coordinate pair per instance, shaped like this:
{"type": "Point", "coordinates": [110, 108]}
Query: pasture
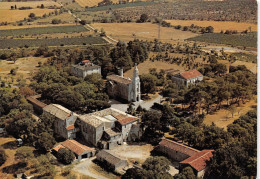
{"type": "Point", "coordinates": [33, 4]}
{"type": "Point", "coordinates": [17, 15]}
{"type": "Point", "coordinates": [142, 31]}
{"type": "Point", "coordinates": [249, 40]}
{"type": "Point", "coordinates": [217, 25]}
{"type": "Point", "coordinates": [43, 30]}
{"type": "Point", "coordinates": [19, 43]}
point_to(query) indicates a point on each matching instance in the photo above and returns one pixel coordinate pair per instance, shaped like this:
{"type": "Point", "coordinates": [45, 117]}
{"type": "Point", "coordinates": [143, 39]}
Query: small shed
{"type": "Point", "coordinates": [112, 161]}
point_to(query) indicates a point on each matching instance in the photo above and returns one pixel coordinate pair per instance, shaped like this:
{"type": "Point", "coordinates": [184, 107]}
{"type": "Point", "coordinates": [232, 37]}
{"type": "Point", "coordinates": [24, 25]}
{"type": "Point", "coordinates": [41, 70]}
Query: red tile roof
{"type": "Point", "coordinates": [70, 127]}
{"type": "Point", "coordinates": [76, 147]}
{"type": "Point", "coordinates": [85, 61]}
{"type": "Point", "coordinates": [127, 120]}
{"type": "Point", "coordinates": [36, 102]}
{"type": "Point", "coordinates": [198, 161]}
{"type": "Point", "coordinates": [58, 147]}
{"type": "Point", "coordinates": [190, 74]}
{"type": "Point", "coordinates": [178, 147]}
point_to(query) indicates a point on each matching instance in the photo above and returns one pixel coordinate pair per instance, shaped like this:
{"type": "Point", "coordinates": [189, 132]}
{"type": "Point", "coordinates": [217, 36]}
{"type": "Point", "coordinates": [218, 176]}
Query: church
{"type": "Point", "coordinates": [119, 86]}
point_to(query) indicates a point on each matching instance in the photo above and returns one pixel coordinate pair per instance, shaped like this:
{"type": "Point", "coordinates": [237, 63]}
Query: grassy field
{"type": "Point", "coordinates": [217, 25]}
{"type": "Point", "coordinates": [9, 27]}
{"type": "Point", "coordinates": [117, 6]}
{"type": "Point", "coordinates": [17, 43]}
{"type": "Point", "coordinates": [143, 31]}
{"type": "Point", "coordinates": [245, 57]}
{"type": "Point", "coordinates": [43, 30]}
{"type": "Point", "coordinates": [16, 15]}
{"type": "Point", "coordinates": [33, 4]}
{"type": "Point", "coordinates": [249, 40]}
{"type": "Point", "coordinates": [64, 17]}
{"type": "Point", "coordinates": [26, 67]}
{"type": "Point", "coordinates": [223, 118]}
{"type": "Point", "coordinates": [91, 3]}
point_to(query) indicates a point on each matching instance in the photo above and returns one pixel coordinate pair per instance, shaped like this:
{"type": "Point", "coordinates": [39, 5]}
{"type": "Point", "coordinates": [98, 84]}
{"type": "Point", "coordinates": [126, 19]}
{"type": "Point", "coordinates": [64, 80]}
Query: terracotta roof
{"type": "Point", "coordinates": [190, 74]}
{"type": "Point", "coordinates": [70, 127]}
{"type": "Point", "coordinates": [76, 147]}
{"type": "Point", "coordinates": [36, 102]}
{"type": "Point", "coordinates": [178, 147]}
{"type": "Point", "coordinates": [112, 133]}
{"type": "Point", "coordinates": [58, 147]}
{"type": "Point", "coordinates": [127, 120]}
{"type": "Point", "coordinates": [198, 161]}
{"type": "Point", "coordinates": [120, 116]}
{"type": "Point", "coordinates": [109, 157]}
{"type": "Point", "coordinates": [119, 79]}
{"type": "Point", "coordinates": [85, 61]}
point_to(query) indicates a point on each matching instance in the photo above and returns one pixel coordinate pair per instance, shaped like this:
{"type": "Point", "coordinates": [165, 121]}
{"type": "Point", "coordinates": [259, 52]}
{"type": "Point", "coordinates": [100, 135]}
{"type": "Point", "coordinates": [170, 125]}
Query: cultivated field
{"type": "Point", "coordinates": [43, 30]}
{"type": "Point", "coordinates": [217, 25]}
{"type": "Point", "coordinates": [142, 31]}
{"type": "Point", "coordinates": [249, 40]}
{"type": "Point", "coordinates": [16, 15]}
{"type": "Point", "coordinates": [9, 27]}
{"type": "Point", "coordinates": [33, 4]}
{"type": "Point", "coordinates": [91, 3]}
{"type": "Point", "coordinates": [17, 43]}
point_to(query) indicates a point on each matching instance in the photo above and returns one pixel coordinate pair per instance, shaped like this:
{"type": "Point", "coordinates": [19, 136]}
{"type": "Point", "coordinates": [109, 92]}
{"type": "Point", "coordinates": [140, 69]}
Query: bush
{"type": "Point", "coordinates": [3, 157]}
{"type": "Point", "coordinates": [31, 15]}
{"type": "Point", "coordinates": [56, 21]}
{"type": "Point", "coordinates": [82, 22]}
{"type": "Point", "coordinates": [65, 156]}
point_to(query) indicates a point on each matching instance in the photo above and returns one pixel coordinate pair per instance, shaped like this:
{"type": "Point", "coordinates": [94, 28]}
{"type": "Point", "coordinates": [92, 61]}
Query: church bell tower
{"type": "Point", "coordinates": [136, 85]}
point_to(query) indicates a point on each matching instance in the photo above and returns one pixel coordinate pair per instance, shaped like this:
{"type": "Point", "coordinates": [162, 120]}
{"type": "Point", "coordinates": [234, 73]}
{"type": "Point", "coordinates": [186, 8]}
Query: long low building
{"type": "Point", "coordinates": [186, 156]}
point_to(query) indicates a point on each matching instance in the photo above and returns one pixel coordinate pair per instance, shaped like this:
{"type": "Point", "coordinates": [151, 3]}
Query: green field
{"type": "Point", "coordinates": [19, 43]}
{"type": "Point", "coordinates": [117, 6]}
{"type": "Point", "coordinates": [245, 57]}
{"type": "Point", "coordinates": [248, 40]}
{"type": "Point", "coordinates": [43, 30]}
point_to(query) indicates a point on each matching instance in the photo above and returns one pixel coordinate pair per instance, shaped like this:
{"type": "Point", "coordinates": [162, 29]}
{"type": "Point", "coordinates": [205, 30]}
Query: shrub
{"type": "Point", "coordinates": [3, 157]}
{"type": "Point", "coordinates": [56, 21]}
{"type": "Point", "coordinates": [65, 156]}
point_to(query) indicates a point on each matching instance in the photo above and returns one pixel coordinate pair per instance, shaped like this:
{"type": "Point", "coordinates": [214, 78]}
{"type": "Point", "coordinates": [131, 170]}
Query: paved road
{"type": "Point", "coordinates": [144, 104]}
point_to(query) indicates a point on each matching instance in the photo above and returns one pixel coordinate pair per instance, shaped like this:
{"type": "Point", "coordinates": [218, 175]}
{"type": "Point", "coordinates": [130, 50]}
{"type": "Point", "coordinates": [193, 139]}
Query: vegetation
{"type": "Point", "coordinates": [17, 43]}
{"type": "Point", "coordinates": [65, 156]}
{"type": "Point", "coordinates": [3, 157]}
{"type": "Point", "coordinates": [248, 40]}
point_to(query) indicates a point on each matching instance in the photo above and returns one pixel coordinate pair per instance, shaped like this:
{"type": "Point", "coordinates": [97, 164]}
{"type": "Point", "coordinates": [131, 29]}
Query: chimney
{"type": "Point", "coordinates": [121, 72]}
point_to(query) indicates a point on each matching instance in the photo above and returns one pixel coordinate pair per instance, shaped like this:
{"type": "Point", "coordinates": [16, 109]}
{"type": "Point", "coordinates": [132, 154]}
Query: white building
{"type": "Point", "coordinates": [85, 68]}
{"type": "Point", "coordinates": [188, 77]}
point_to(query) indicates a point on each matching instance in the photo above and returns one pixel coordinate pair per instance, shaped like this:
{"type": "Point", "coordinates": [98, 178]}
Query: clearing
{"type": "Point", "coordinates": [217, 25]}
{"type": "Point", "coordinates": [26, 67]}
{"type": "Point", "coordinates": [10, 149]}
{"type": "Point", "coordinates": [16, 15]}
{"type": "Point", "coordinates": [145, 66]}
{"type": "Point", "coordinates": [142, 31]}
{"type": "Point", "coordinates": [33, 4]}
{"type": "Point", "coordinates": [223, 117]}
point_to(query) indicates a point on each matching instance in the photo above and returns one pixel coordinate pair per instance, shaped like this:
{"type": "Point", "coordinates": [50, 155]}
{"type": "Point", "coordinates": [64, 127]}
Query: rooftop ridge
{"type": "Point", "coordinates": [171, 141]}
{"type": "Point", "coordinates": [208, 151]}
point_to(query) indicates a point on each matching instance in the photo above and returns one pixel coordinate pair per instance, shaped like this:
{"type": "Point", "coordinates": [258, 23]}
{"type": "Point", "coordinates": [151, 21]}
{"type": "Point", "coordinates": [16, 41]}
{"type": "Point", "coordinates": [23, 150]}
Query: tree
{"type": "Point", "coordinates": [186, 173]}
{"type": "Point", "coordinates": [232, 109]}
{"type": "Point", "coordinates": [42, 6]}
{"type": "Point", "coordinates": [43, 165]}
{"type": "Point", "coordinates": [56, 21]}
{"type": "Point", "coordinates": [66, 156]}
{"type": "Point", "coordinates": [26, 91]}
{"type": "Point", "coordinates": [24, 153]}
{"type": "Point", "coordinates": [151, 119]}
{"type": "Point", "coordinates": [209, 29]}
{"type": "Point", "coordinates": [31, 15]}
{"type": "Point", "coordinates": [148, 83]}
{"type": "Point", "coordinates": [3, 157]}
{"type": "Point", "coordinates": [143, 18]}
{"type": "Point", "coordinates": [46, 141]}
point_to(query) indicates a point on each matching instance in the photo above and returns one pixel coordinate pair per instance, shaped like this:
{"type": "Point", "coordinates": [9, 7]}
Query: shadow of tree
{"type": "Point", "coordinates": [15, 168]}
{"type": "Point", "coordinates": [10, 145]}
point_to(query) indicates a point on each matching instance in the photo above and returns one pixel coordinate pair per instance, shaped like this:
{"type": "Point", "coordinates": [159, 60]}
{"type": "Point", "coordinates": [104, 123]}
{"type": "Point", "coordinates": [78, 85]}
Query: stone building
{"type": "Point", "coordinates": [188, 77]}
{"type": "Point", "coordinates": [64, 120]}
{"type": "Point", "coordinates": [108, 128]}
{"type": "Point", "coordinates": [37, 105]}
{"type": "Point", "coordinates": [81, 151]}
{"type": "Point", "coordinates": [186, 156]}
{"type": "Point", "coordinates": [112, 161]}
{"type": "Point", "coordinates": [197, 162]}
{"type": "Point", "coordinates": [119, 86]}
{"type": "Point", "coordinates": [85, 68]}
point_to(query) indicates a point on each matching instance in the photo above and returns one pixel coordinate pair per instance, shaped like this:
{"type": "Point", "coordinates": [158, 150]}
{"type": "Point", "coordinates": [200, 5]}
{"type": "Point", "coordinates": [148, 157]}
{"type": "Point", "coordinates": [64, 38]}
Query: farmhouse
{"type": "Point", "coordinates": [64, 120]}
{"type": "Point", "coordinates": [108, 128]}
{"type": "Point", "coordinates": [120, 87]}
{"type": "Point", "coordinates": [188, 77]}
{"type": "Point", "coordinates": [187, 156]}
{"type": "Point", "coordinates": [112, 161]}
{"type": "Point", "coordinates": [81, 151]}
{"type": "Point", "coordinates": [85, 68]}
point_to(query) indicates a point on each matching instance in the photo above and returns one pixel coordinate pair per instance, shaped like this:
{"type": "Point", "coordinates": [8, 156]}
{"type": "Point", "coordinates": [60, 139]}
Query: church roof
{"type": "Point", "coordinates": [119, 79]}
